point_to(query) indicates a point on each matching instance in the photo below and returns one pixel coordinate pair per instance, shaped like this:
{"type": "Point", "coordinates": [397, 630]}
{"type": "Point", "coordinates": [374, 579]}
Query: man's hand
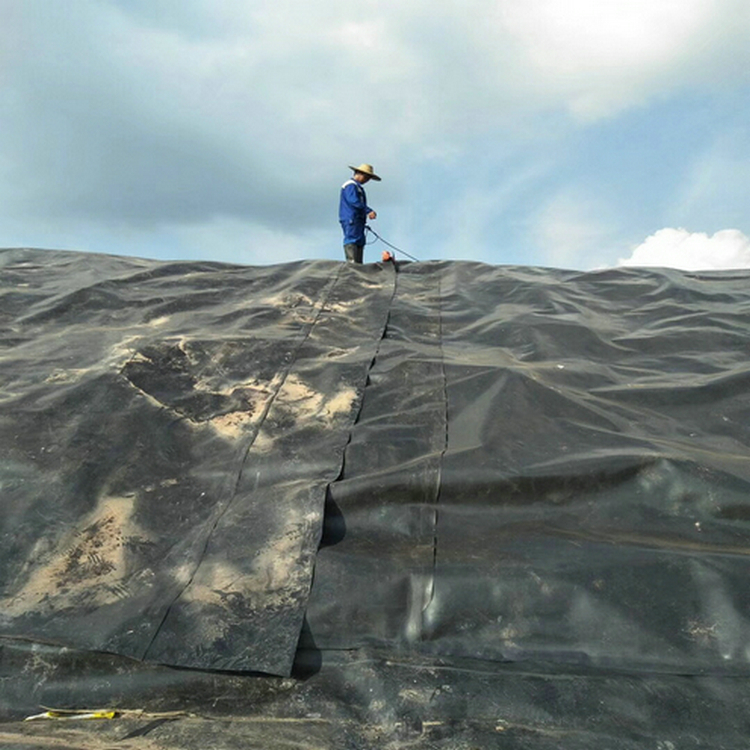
{"type": "Point", "coordinates": [372, 215]}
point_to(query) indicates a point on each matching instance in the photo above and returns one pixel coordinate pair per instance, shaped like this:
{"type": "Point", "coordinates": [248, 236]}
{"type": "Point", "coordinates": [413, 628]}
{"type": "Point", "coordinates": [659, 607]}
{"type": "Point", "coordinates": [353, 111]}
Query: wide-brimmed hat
{"type": "Point", "coordinates": [366, 169]}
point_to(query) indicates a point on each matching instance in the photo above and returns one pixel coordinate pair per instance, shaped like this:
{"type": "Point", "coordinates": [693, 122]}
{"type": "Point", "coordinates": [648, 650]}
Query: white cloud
{"type": "Point", "coordinates": [156, 115]}
{"type": "Point", "coordinates": [692, 251]}
{"type": "Point", "coordinates": [602, 56]}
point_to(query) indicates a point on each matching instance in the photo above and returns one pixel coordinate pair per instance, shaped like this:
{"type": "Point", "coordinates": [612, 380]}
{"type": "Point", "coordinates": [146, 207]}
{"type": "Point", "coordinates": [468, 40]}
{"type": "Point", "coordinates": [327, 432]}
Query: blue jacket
{"type": "Point", "coordinates": [353, 210]}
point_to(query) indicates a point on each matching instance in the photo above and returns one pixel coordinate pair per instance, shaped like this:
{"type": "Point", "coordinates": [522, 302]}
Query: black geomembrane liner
{"type": "Point", "coordinates": [442, 505]}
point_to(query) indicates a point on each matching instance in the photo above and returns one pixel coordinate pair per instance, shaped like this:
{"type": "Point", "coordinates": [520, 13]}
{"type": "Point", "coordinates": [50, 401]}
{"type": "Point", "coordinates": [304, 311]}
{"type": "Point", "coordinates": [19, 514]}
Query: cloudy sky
{"type": "Point", "coordinates": [568, 133]}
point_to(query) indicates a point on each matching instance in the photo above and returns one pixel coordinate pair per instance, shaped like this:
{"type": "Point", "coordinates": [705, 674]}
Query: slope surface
{"type": "Point", "coordinates": [449, 496]}
{"type": "Point", "coordinates": [169, 432]}
{"type": "Point", "coordinates": [552, 466]}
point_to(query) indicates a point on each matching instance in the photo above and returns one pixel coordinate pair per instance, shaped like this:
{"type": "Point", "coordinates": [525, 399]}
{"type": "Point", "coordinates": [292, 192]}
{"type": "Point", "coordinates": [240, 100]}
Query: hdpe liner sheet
{"type": "Point", "coordinates": [364, 699]}
{"type": "Point", "coordinates": [528, 527]}
{"type": "Point", "coordinates": [572, 485]}
{"type": "Point", "coordinates": [168, 434]}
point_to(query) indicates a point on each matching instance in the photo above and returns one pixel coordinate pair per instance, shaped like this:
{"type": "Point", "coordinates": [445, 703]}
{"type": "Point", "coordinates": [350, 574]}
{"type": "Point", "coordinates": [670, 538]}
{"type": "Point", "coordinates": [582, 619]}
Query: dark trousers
{"type": "Point", "coordinates": [354, 252]}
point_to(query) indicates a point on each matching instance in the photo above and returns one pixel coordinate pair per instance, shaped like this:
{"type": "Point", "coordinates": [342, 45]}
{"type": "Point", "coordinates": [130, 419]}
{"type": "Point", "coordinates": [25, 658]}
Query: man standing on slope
{"type": "Point", "coordinates": [354, 211]}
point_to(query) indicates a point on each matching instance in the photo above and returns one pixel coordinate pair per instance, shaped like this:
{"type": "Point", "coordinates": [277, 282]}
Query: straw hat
{"type": "Point", "coordinates": [366, 169]}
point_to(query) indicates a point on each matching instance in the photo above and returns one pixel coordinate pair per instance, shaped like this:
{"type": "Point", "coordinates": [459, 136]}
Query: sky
{"type": "Point", "coordinates": [580, 134]}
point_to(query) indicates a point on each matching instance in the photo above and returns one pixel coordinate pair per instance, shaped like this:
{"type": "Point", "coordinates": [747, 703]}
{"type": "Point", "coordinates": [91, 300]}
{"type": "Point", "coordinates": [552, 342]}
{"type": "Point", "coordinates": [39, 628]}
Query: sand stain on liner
{"type": "Point", "coordinates": [88, 567]}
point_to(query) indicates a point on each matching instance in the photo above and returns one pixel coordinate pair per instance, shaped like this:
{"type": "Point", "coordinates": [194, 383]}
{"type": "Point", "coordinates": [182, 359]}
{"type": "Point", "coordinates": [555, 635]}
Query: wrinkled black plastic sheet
{"type": "Point", "coordinates": [168, 433]}
{"type": "Point", "coordinates": [485, 500]}
{"type": "Point", "coordinates": [366, 700]}
{"type": "Point", "coordinates": [550, 466]}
